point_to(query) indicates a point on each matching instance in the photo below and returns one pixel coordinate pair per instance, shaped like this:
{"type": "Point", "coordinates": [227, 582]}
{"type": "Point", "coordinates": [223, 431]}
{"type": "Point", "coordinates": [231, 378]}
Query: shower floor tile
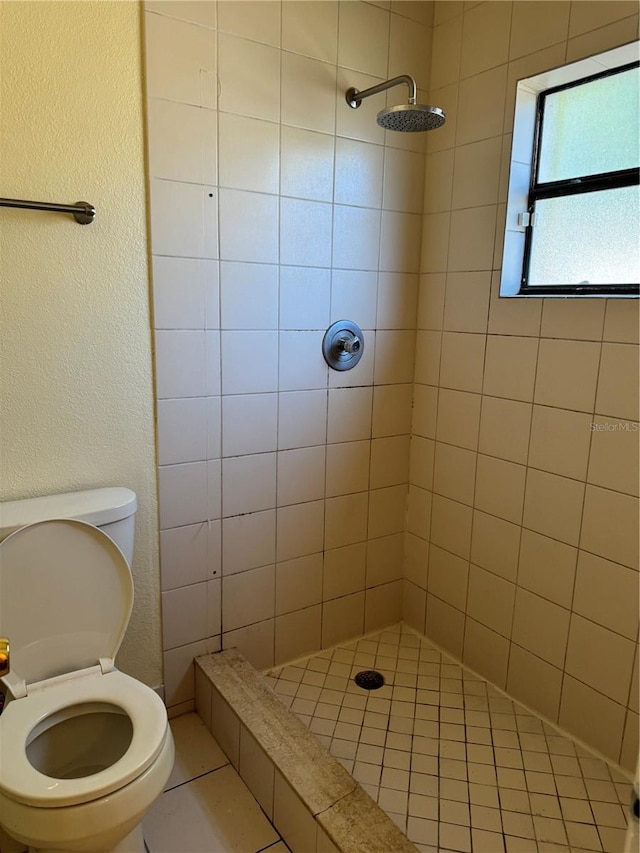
{"type": "Point", "coordinates": [457, 765]}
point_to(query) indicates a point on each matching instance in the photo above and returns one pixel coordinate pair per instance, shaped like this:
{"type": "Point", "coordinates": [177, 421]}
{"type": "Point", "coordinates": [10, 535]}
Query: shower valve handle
{"type": "Point", "coordinates": [350, 343]}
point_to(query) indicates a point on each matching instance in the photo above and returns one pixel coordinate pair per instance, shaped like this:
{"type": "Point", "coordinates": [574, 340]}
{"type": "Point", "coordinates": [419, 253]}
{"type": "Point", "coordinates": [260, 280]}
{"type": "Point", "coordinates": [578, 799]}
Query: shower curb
{"type": "Point", "coordinates": [309, 797]}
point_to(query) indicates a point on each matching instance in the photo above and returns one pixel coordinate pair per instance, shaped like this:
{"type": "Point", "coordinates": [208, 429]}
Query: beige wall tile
{"type": "Point", "coordinates": [397, 301]}
{"type": "Point", "coordinates": [607, 594]}
{"type": "Point", "coordinates": [451, 525]}
{"type": "Point", "coordinates": [622, 321]}
{"type": "Point", "coordinates": [445, 55]}
{"type": "Point", "coordinates": [387, 509]}
{"type": "Point", "coordinates": [358, 173]}
{"type": "Point", "coordinates": [302, 418]}
{"type": "Point", "coordinates": [298, 584]}
{"type": "Point", "coordinates": [182, 142]}
{"type": "Point", "coordinates": [513, 316]}
{"type": "Point", "coordinates": [255, 642]}
{"type": "Point", "coordinates": [421, 462]}
{"type": "Point", "coordinates": [369, 54]}
{"type": "Point", "coordinates": [306, 161]}
{"type": "Point", "coordinates": [540, 627]}
{"type": "Point", "coordinates": [240, 210]}
{"type": "Point", "coordinates": [510, 367]}
{"type": "Point", "coordinates": [308, 93]}
{"type": "Point", "coordinates": [383, 605]}
{"type": "Point", "coordinates": [536, 25]}
{"type": "Point", "coordinates": [567, 374]}
{"type": "Point", "coordinates": [249, 78]}
{"type": "Point", "coordinates": [389, 461]}
{"type": "Point", "coordinates": [634, 693]}
{"type": "Point", "coordinates": [384, 559]}
{"type": "Point", "coordinates": [604, 38]}
{"type": "Point", "coordinates": [431, 301]}
{"type": "Point", "coordinates": [249, 423]}
{"type": "Point", "coordinates": [445, 625]}
{"type": "Point", "coordinates": [346, 520]}
{"type": "Point", "coordinates": [184, 615]}
{"type": "Point", "coordinates": [547, 567]}
{"type": "Point", "coordinates": [470, 238]}
{"type": "Point", "coordinates": [610, 526]}
{"type": "Point", "coordinates": [427, 357]}
{"type": "Point", "coordinates": [358, 402]}
{"type": "Point", "coordinates": [504, 429]}
{"type": "Point", "coordinates": [391, 410]}
{"type": "Point", "coordinates": [594, 718]}
{"type": "Point", "coordinates": [491, 600]}
{"type": "Point", "coordinates": [182, 494]}
{"type": "Point", "coordinates": [618, 385]}
{"type": "Point", "coordinates": [580, 319]}
{"type": "Point", "coordinates": [534, 682]}
{"type": "Point", "coordinates": [467, 302]}
{"type": "Point", "coordinates": [458, 418]}
{"type": "Point", "coordinates": [495, 544]}
{"type": "Point", "coordinates": [403, 181]}
{"type": "Point", "coordinates": [419, 503]}
{"type": "Point", "coordinates": [613, 462]}
{"type": "Point", "coordinates": [297, 634]}
{"type": "Point", "coordinates": [560, 441]}
{"type": "Point", "coordinates": [311, 28]}
{"type": "Point", "coordinates": [259, 21]}
{"type": "Point", "coordinates": [342, 618]}
{"type": "Point", "coordinates": [248, 484]}
{"type": "Point", "coordinates": [454, 472]}
{"type": "Point", "coordinates": [462, 361]}
{"type": "Point", "coordinates": [416, 560]}
{"type": "Point", "coordinates": [485, 38]}
{"type": "Point", "coordinates": [587, 16]}
{"type": "Point", "coordinates": [414, 606]}
{"type": "Point", "coordinates": [193, 51]}
{"type": "Point", "coordinates": [347, 468]}
{"type": "Point", "coordinates": [600, 658]}
{"type": "Point", "coordinates": [486, 652]}
{"type": "Point", "coordinates": [300, 530]}
{"type": "Point", "coordinates": [248, 597]}
{"type": "Point", "coordinates": [435, 242]}
{"type": "Point", "coordinates": [249, 541]}
{"type": "Point", "coordinates": [438, 181]}
{"type": "Point", "coordinates": [249, 153]}
{"type": "Point", "coordinates": [480, 106]}
{"type": "Point", "coordinates": [475, 178]}
{"type": "Point", "coordinates": [344, 571]}
{"type": "Point", "coordinates": [256, 769]}
{"type": "Point", "coordinates": [553, 506]}
{"type": "Point", "coordinates": [500, 488]}
{"type": "Point", "coordinates": [448, 577]}
{"type": "Point", "coordinates": [394, 356]}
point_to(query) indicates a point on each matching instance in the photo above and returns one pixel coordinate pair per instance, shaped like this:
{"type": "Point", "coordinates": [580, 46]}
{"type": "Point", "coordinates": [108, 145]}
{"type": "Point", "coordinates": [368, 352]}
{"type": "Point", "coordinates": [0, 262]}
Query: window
{"type": "Point", "coordinates": [573, 214]}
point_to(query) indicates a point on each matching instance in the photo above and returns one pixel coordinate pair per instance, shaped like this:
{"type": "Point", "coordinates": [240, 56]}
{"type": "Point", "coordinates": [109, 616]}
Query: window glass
{"type": "Point", "coordinates": [591, 128]}
{"type": "Point", "coordinates": [587, 238]}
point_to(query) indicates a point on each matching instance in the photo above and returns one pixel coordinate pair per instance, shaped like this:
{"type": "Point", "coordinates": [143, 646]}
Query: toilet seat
{"type": "Point", "coordinates": [27, 785]}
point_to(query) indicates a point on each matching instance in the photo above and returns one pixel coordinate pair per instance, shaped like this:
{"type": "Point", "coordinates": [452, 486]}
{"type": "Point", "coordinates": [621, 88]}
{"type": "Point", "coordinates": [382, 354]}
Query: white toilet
{"type": "Point", "coordinates": [84, 749]}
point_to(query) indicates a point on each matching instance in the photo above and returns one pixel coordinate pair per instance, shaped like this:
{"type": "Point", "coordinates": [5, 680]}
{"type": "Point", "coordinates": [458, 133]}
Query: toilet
{"type": "Point", "coordinates": [84, 749]}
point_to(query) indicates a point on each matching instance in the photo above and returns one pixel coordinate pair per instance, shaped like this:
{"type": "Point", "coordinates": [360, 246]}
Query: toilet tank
{"type": "Point", "coordinates": [111, 509]}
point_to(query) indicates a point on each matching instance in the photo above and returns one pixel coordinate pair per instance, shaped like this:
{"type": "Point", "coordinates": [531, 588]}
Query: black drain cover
{"type": "Point", "coordinates": [369, 679]}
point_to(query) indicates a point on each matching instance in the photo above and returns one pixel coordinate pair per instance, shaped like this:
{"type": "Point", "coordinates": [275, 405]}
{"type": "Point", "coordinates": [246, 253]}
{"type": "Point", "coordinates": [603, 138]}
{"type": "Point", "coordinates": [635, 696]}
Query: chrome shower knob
{"type": "Point", "coordinates": [343, 345]}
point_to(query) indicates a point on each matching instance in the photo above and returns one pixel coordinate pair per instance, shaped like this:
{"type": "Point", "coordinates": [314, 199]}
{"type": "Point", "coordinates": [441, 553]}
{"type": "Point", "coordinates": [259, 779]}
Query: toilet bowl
{"type": "Point", "coordinates": [84, 749]}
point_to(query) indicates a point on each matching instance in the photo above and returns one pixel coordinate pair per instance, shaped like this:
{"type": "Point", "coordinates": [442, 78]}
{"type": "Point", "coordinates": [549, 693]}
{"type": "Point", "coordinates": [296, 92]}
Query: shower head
{"type": "Point", "coordinates": [411, 118]}
{"type": "Point", "coordinates": [406, 118]}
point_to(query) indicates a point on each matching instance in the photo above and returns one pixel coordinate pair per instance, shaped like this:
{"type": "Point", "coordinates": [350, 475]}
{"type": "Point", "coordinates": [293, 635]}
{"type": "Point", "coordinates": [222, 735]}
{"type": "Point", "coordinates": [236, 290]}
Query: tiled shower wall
{"type": "Point", "coordinates": [275, 210]}
{"type": "Point", "coordinates": [522, 545]}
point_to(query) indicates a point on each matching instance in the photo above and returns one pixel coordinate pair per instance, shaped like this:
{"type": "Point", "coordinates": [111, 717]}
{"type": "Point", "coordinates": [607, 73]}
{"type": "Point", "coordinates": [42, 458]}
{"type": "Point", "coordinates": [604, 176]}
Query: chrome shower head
{"type": "Point", "coordinates": [411, 118]}
{"type": "Point", "coordinates": [406, 118]}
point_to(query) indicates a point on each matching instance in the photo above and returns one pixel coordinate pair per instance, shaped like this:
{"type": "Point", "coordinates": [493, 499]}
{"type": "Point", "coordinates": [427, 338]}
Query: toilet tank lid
{"type": "Point", "coordinates": [95, 506]}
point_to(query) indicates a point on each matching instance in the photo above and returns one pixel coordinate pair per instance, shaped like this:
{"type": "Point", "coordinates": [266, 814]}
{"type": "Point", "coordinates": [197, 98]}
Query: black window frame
{"type": "Point", "coordinates": [571, 186]}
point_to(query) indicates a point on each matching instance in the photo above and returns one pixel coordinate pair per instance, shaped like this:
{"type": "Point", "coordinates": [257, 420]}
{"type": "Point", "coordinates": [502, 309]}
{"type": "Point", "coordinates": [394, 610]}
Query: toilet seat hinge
{"type": "Point", "coordinates": [106, 665]}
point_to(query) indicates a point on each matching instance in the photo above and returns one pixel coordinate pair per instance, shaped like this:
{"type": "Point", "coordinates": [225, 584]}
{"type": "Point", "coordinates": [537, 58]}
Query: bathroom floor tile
{"type": "Point", "coordinates": [196, 751]}
{"type": "Point", "coordinates": [475, 756]}
{"type": "Point", "coordinates": [214, 813]}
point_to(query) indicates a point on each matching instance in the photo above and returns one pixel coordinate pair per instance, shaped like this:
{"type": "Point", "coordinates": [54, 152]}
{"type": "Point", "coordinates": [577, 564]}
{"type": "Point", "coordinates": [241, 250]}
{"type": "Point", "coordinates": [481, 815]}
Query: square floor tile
{"type": "Point", "coordinates": [215, 813]}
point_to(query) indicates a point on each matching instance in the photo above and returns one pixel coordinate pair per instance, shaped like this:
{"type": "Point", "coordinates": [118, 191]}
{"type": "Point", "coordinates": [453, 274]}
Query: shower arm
{"type": "Point", "coordinates": [354, 98]}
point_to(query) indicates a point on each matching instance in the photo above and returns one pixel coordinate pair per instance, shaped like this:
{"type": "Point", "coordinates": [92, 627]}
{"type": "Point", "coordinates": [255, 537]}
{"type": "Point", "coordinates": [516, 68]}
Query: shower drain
{"type": "Point", "coordinates": [369, 679]}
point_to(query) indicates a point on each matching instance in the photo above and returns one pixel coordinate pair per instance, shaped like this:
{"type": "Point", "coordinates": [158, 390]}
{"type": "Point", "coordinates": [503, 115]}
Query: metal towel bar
{"type": "Point", "coordinates": [83, 212]}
